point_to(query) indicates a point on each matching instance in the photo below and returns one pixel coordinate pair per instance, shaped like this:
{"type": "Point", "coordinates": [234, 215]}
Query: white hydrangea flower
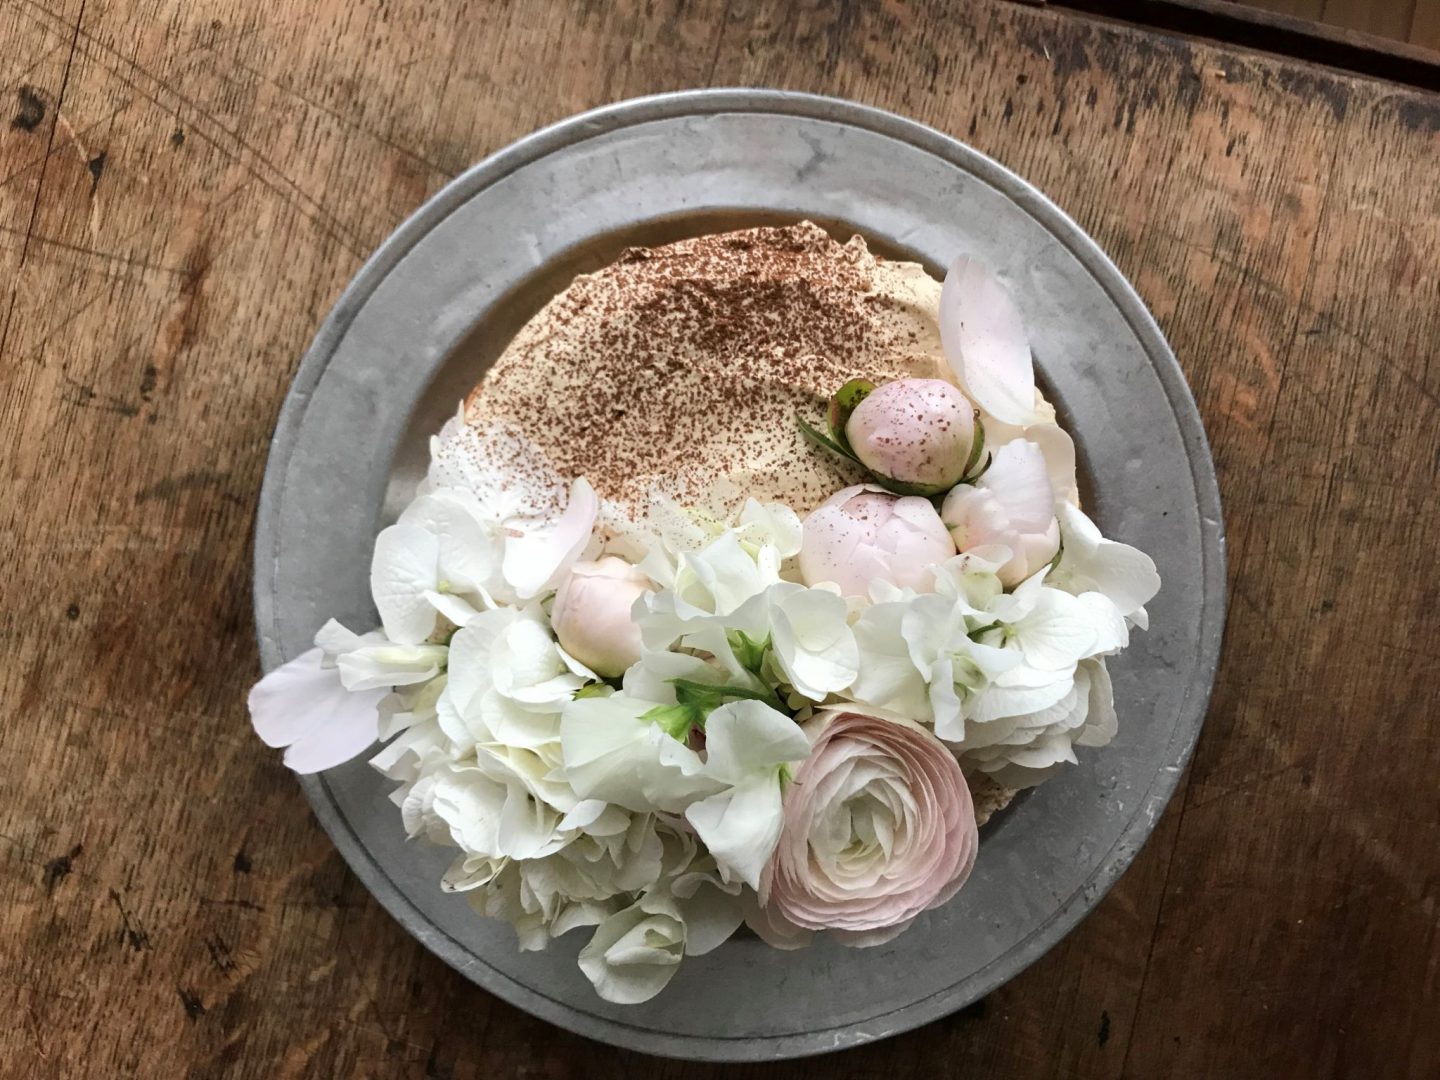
{"type": "Point", "coordinates": [1001, 676]}
{"type": "Point", "coordinates": [451, 554]}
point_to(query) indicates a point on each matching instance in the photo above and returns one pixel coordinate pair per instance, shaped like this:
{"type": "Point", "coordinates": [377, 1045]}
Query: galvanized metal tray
{"type": "Point", "coordinates": [440, 300]}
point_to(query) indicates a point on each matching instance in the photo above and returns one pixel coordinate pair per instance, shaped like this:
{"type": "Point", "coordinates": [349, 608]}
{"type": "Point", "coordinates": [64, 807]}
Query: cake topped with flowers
{"type": "Point", "coordinates": [748, 583]}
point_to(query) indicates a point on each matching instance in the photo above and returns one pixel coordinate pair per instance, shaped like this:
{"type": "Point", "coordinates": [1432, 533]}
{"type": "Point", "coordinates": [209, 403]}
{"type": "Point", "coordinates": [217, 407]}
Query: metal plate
{"type": "Point", "coordinates": [440, 300]}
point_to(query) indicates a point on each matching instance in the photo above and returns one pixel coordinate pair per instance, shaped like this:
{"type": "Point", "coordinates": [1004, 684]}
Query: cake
{"type": "Point", "coordinates": [749, 581]}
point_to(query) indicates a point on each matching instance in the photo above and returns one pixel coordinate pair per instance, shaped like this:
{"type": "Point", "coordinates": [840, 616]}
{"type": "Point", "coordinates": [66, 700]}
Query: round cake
{"type": "Point", "coordinates": [749, 582]}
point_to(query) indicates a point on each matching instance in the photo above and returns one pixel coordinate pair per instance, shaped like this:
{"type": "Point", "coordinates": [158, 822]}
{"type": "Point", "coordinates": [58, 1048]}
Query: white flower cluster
{"type": "Point", "coordinates": [612, 730]}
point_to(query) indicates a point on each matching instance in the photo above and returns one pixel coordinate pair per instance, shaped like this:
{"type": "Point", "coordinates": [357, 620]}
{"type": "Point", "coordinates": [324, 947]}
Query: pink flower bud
{"type": "Point", "coordinates": [591, 614]}
{"type": "Point", "coordinates": [863, 534]}
{"type": "Point", "coordinates": [916, 431]}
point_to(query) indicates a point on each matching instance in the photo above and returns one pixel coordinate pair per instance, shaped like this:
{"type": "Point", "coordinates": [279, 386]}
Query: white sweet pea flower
{"type": "Point", "coordinates": [443, 556]}
{"type": "Point", "coordinates": [715, 580]}
{"type": "Point", "coordinates": [748, 748]}
{"type": "Point", "coordinates": [613, 753]}
{"type": "Point", "coordinates": [636, 952]}
{"type": "Point", "coordinates": [807, 630]}
{"type": "Point", "coordinates": [304, 707]}
{"type": "Point", "coordinates": [1013, 505]}
{"type": "Point", "coordinates": [1090, 563]}
{"type": "Point", "coordinates": [687, 909]}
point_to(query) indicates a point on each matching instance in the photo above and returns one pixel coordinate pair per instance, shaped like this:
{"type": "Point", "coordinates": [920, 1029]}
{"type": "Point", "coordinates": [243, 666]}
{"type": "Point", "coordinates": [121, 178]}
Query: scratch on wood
{"type": "Point", "coordinates": [130, 931]}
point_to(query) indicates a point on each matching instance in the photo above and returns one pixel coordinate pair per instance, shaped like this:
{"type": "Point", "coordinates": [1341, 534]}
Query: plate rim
{"type": "Point", "coordinates": [1096, 262]}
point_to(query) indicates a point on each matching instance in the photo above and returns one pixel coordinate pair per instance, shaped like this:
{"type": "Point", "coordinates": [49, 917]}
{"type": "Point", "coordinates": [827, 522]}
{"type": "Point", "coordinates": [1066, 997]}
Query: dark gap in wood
{"type": "Point", "coordinates": [1252, 28]}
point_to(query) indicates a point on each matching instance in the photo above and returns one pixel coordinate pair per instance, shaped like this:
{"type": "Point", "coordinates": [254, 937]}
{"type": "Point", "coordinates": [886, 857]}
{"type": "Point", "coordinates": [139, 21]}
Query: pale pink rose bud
{"type": "Point", "coordinates": [868, 777]}
{"type": "Point", "coordinates": [1012, 504]}
{"type": "Point", "coordinates": [591, 614]}
{"type": "Point", "coordinates": [917, 432]}
{"type": "Point", "coordinates": [864, 534]}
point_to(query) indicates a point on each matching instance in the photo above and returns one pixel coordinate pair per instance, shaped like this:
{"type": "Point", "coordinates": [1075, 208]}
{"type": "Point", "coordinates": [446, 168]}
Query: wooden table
{"type": "Point", "coordinates": [185, 187]}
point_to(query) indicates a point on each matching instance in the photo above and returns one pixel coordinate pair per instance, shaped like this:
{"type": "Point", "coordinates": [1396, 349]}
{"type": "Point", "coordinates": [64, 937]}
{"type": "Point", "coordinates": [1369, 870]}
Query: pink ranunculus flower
{"type": "Point", "coordinates": [864, 534]}
{"type": "Point", "coordinates": [591, 614]}
{"type": "Point", "coordinates": [879, 827]}
{"type": "Point", "coordinates": [917, 431]}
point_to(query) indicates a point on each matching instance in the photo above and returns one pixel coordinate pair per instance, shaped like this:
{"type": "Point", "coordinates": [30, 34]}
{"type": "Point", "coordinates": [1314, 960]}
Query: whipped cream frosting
{"type": "Point", "coordinates": [682, 369]}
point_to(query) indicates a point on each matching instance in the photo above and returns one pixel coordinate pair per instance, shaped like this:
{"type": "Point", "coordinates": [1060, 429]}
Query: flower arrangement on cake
{"type": "Point", "coordinates": [659, 710]}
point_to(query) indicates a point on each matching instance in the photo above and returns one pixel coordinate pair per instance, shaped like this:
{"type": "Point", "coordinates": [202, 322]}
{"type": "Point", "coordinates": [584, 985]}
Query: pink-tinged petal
{"type": "Point", "coordinates": [303, 706]}
{"type": "Point", "coordinates": [536, 557]}
{"type": "Point", "coordinates": [984, 340]}
{"type": "Point", "coordinates": [1019, 478]}
{"type": "Point", "coordinates": [402, 570]}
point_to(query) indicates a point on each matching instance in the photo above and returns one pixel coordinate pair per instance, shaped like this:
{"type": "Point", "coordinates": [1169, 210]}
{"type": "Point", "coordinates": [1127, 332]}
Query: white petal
{"type": "Point", "coordinates": [470, 546]}
{"type": "Point", "coordinates": [1020, 481]}
{"type": "Point", "coordinates": [772, 524]}
{"type": "Point", "coordinates": [887, 677]}
{"type": "Point", "coordinates": [455, 608]}
{"type": "Point", "coordinates": [814, 643]}
{"type": "Point", "coordinates": [1111, 633]}
{"type": "Point", "coordinates": [984, 340]}
{"type": "Point", "coordinates": [1101, 722]}
{"type": "Point", "coordinates": [612, 754]}
{"type": "Point", "coordinates": [534, 559]}
{"type": "Point", "coordinates": [712, 915]}
{"type": "Point", "coordinates": [741, 825]}
{"type": "Point", "coordinates": [1088, 562]}
{"type": "Point", "coordinates": [304, 706]}
{"type": "Point", "coordinates": [634, 953]}
{"type": "Point", "coordinates": [402, 570]}
{"type": "Point", "coordinates": [389, 665]}
{"type": "Point", "coordinates": [1057, 631]}
{"type": "Point", "coordinates": [745, 736]}
{"type": "Point", "coordinates": [1011, 695]}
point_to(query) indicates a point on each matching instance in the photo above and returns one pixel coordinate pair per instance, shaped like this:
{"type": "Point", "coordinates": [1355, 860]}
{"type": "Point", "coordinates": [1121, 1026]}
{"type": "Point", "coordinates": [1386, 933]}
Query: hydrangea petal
{"type": "Point", "coordinates": [402, 570]}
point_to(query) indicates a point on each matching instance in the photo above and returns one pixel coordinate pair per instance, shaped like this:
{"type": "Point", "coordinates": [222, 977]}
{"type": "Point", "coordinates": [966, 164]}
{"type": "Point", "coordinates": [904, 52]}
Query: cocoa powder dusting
{"type": "Point", "coordinates": [684, 366]}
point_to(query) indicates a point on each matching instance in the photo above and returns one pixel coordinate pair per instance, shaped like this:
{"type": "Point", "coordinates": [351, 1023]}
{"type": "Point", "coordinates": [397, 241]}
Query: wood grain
{"type": "Point", "coordinates": [186, 186]}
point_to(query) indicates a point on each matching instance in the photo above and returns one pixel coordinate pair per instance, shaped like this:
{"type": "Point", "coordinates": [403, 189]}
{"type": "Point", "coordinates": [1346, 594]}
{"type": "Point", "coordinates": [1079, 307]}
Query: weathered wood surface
{"type": "Point", "coordinates": [186, 186]}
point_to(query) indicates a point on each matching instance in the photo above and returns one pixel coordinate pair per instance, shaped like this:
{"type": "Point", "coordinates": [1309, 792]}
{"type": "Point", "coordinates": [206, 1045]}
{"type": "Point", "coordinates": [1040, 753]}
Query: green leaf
{"type": "Point", "coordinates": [594, 689]}
{"type": "Point", "coordinates": [824, 441]}
{"type": "Point", "coordinates": [975, 454]}
{"type": "Point", "coordinates": [900, 487]}
{"type": "Point", "coordinates": [842, 403]}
